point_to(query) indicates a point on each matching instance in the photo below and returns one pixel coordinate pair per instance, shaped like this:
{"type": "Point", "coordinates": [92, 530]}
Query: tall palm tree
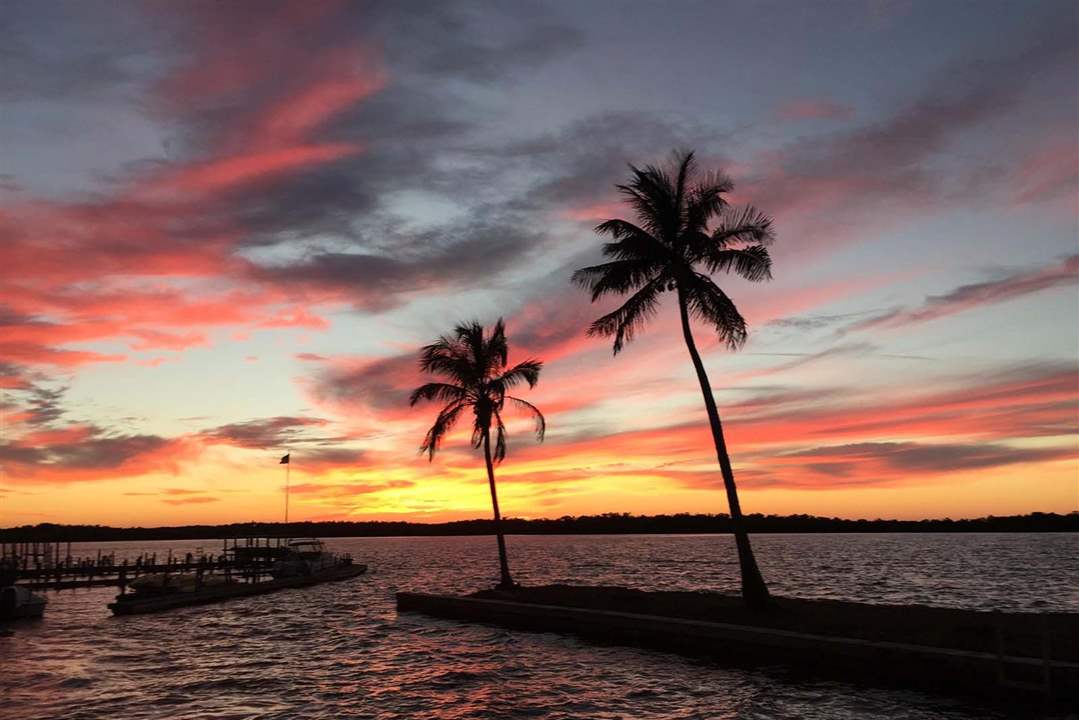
{"type": "Point", "coordinates": [666, 251]}
{"type": "Point", "coordinates": [475, 366]}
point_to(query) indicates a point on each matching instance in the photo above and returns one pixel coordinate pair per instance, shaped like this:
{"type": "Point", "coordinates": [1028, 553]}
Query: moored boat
{"type": "Point", "coordinates": [305, 563]}
{"type": "Point", "coordinates": [18, 602]}
{"type": "Point", "coordinates": [305, 557]}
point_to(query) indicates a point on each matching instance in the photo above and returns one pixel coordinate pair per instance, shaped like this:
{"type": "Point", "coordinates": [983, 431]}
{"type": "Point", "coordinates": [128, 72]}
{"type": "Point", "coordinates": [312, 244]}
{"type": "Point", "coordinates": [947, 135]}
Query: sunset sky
{"type": "Point", "coordinates": [227, 228]}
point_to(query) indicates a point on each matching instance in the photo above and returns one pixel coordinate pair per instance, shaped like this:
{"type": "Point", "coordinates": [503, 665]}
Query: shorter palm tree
{"type": "Point", "coordinates": [475, 366]}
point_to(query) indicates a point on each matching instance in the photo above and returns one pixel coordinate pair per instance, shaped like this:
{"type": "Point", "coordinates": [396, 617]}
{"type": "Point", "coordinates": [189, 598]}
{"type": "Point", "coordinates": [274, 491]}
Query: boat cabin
{"type": "Point", "coordinates": [308, 549]}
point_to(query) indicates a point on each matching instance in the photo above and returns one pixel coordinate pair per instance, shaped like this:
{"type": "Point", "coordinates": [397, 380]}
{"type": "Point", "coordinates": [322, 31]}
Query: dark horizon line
{"type": "Point", "coordinates": [603, 524]}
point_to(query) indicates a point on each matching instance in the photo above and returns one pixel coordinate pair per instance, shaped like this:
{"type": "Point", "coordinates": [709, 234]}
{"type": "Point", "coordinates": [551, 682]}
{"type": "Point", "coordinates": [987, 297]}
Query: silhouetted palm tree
{"type": "Point", "coordinates": [662, 253]}
{"type": "Point", "coordinates": [475, 366]}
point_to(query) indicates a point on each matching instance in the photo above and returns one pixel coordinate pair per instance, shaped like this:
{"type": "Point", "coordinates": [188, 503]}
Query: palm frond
{"type": "Point", "coordinates": [437, 391]}
{"type": "Point", "coordinates": [447, 357]}
{"type": "Point", "coordinates": [500, 438]}
{"type": "Point", "coordinates": [686, 168]}
{"type": "Point", "coordinates": [706, 200]}
{"type": "Point", "coordinates": [743, 225]}
{"type": "Point", "coordinates": [631, 242]}
{"type": "Point", "coordinates": [617, 277]}
{"type": "Point", "coordinates": [541, 422]}
{"type": "Point", "coordinates": [477, 433]}
{"type": "Point", "coordinates": [653, 195]}
{"type": "Point", "coordinates": [752, 263]}
{"type": "Point", "coordinates": [526, 371]}
{"type": "Point", "coordinates": [624, 322]}
{"type": "Point", "coordinates": [470, 339]}
{"type": "Point", "coordinates": [711, 305]}
{"type": "Point", "coordinates": [443, 424]}
{"type": "Point", "coordinates": [646, 213]}
{"type": "Point", "coordinates": [496, 348]}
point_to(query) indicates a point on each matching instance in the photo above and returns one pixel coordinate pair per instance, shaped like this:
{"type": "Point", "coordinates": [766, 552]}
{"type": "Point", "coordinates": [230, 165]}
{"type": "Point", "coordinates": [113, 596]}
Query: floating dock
{"type": "Point", "coordinates": [949, 670]}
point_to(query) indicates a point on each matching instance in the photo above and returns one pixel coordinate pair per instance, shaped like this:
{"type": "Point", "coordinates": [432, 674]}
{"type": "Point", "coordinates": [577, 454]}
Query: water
{"type": "Point", "coordinates": [340, 650]}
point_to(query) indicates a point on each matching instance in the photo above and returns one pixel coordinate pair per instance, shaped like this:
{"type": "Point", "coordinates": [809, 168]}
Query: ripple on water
{"type": "Point", "coordinates": [341, 650]}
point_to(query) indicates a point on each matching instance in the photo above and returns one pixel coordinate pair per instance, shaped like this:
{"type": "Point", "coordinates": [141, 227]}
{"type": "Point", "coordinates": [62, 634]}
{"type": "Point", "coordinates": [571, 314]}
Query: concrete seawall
{"type": "Point", "coordinates": [892, 663]}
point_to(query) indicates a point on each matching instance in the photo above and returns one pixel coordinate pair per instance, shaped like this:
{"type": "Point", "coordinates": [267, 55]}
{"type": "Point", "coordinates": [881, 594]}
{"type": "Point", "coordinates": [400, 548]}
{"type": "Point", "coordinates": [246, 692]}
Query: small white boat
{"type": "Point", "coordinates": [18, 602]}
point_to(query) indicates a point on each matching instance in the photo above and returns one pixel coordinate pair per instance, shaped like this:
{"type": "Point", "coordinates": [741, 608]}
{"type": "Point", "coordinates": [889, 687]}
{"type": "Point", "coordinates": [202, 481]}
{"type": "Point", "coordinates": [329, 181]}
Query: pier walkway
{"type": "Point", "coordinates": [52, 566]}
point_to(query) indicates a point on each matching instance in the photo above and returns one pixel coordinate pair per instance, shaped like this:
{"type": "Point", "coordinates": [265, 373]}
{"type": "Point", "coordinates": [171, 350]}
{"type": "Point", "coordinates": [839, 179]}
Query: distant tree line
{"type": "Point", "coordinates": [605, 524]}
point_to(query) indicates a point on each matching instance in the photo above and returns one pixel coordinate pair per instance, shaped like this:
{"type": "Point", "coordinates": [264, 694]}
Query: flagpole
{"type": "Point", "coordinates": [288, 471]}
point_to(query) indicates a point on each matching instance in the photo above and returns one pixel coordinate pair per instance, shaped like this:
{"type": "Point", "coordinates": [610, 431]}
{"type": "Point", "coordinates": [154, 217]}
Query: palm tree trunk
{"type": "Point", "coordinates": [503, 560]}
{"type": "Point", "coordinates": [754, 591]}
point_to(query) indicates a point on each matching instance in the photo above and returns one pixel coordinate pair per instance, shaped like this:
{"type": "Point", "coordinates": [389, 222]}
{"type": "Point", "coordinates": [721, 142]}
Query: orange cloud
{"type": "Point", "coordinates": [200, 500]}
{"type": "Point", "coordinates": [100, 457]}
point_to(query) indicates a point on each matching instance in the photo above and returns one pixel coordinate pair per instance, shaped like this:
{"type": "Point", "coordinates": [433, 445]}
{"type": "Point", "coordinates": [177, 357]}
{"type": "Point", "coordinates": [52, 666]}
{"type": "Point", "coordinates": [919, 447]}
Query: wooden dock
{"type": "Point", "coordinates": [51, 566]}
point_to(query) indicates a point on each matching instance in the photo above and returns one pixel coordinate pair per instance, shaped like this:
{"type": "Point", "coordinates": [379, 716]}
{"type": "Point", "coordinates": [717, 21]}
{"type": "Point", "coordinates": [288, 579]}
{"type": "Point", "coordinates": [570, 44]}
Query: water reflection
{"type": "Point", "coordinates": [340, 650]}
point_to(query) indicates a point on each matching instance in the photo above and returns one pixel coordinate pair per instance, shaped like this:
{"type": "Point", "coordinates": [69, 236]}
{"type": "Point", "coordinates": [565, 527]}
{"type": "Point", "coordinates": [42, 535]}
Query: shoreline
{"type": "Point", "coordinates": [607, 524]}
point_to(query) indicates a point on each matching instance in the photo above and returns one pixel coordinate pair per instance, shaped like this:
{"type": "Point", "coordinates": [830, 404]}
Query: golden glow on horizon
{"type": "Point", "coordinates": [456, 492]}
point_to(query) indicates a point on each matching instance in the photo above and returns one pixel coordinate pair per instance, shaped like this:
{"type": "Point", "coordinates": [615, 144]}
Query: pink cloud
{"type": "Point", "coordinates": [991, 292]}
{"type": "Point", "coordinates": [1050, 172]}
{"type": "Point", "coordinates": [221, 174]}
{"type": "Point", "coordinates": [168, 223]}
